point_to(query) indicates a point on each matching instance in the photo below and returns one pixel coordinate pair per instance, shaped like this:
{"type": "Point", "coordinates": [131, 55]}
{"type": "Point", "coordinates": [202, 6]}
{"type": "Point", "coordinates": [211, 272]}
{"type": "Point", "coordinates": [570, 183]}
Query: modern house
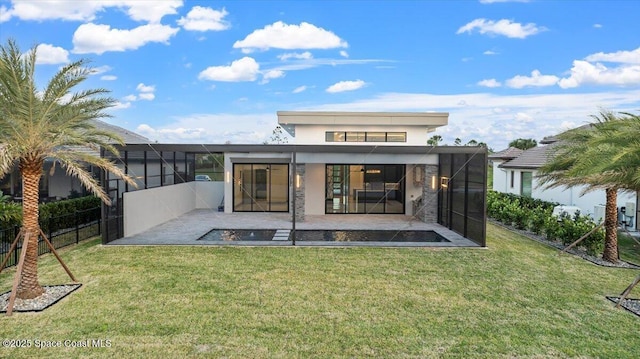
{"type": "Point", "coordinates": [347, 163]}
{"type": "Point", "coordinates": [55, 184]}
{"type": "Point", "coordinates": [515, 171]}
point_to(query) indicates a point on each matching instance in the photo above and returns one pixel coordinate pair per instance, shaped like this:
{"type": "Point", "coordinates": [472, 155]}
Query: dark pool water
{"type": "Point", "coordinates": [238, 235]}
{"type": "Point", "coordinates": [369, 236]}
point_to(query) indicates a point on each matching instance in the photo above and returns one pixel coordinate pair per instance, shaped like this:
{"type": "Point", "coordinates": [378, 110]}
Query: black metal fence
{"type": "Point", "coordinates": [62, 231]}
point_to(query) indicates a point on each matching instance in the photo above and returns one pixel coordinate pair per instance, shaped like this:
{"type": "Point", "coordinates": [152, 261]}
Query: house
{"type": "Point", "coordinates": [515, 171]}
{"type": "Point", "coordinates": [347, 163]}
{"type": "Point", "coordinates": [55, 183]}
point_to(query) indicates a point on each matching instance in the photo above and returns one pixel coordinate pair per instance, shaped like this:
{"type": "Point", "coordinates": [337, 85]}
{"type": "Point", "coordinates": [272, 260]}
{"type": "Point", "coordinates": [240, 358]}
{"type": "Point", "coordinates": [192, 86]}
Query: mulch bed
{"type": "Point", "coordinates": [630, 304]}
{"type": "Point", "coordinates": [52, 295]}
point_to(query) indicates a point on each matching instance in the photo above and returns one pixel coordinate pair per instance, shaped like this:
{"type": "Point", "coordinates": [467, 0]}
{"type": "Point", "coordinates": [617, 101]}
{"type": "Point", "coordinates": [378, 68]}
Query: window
{"type": "Point", "coordinates": [356, 136]}
{"type": "Point", "coordinates": [525, 184]}
{"type": "Point", "coordinates": [353, 136]}
{"type": "Point", "coordinates": [376, 137]}
{"type": "Point", "coordinates": [512, 178]}
{"type": "Point", "coordinates": [396, 137]}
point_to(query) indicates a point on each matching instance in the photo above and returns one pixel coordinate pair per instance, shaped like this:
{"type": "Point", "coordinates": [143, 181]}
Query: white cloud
{"type": "Point", "coordinates": [100, 70]}
{"type": "Point", "coordinates": [344, 54]}
{"type": "Point", "coordinates": [51, 55]}
{"type": "Point", "coordinates": [346, 86]}
{"type": "Point", "coordinates": [145, 88]}
{"type": "Point", "coordinates": [130, 98]}
{"type": "Point", "coordinates": [597, 26]}
{"type": "Point", "coordinates": [213, 128]}
{"type": "Point", "coordinates": [502, 27]}
{"type": "Point", "coordinates": [149, 96]}
{"type": "Point", "coordinates": [97, 39]}
{"type": "Point", "coordinates": [489, 52]}
{"type": "Point", "coordinates": [299, 89]}
{"type": "Point", "coordinates": [583, 73]}
{"type": "Point", "coordinates": [204, 19]}
{"type": "Point", "coordinates": [523, 117]}
{"type": "Point", "coordinates": [270, 75]}
{"type": "Point", "coordinates": [536, 80]}
{"type": "Point", "coordinates": [295, 55]}
{"type": "Point", "coordinates": [5, 14]}
{"type": "Point", "coordinates": [490, 118]}
{"type": "Point", "coordinates": [109, 78]}
{"type": "Point", "coordinates": [623, 57]}
{"type": "Point", "coordinates": [245, 69]}
{"type": "Point", "coordinates": [489, 83]}
{"type": "Point", "coordinates": [74, 10]}
{"type": "Point", "coordinates": [121, 105]}
{"type": "Point", "coordinates": [289, 37]}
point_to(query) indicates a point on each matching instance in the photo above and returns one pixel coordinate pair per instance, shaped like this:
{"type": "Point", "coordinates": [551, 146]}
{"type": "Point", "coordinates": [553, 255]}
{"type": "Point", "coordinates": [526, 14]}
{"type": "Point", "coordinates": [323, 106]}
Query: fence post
{"type": "Point", "coordinates": [15, 253]}
{"type": "Point", "coordinates": [77, 227]}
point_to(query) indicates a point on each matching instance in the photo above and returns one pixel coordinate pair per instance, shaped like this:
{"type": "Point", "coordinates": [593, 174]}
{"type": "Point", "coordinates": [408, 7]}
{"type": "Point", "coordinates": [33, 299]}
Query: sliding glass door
{"type": "Point", "coordinates": [261, 187]}
{"type": "Point", "coordinates": [364, 189]}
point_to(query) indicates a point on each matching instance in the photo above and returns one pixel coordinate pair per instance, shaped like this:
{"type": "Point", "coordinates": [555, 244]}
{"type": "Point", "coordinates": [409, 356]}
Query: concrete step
{"type": "Point", "coordinates": [281, 235]}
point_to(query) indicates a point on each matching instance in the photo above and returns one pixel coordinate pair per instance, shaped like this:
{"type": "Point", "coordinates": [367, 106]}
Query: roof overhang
{"type": "Point", "coordinates": [430, 120]}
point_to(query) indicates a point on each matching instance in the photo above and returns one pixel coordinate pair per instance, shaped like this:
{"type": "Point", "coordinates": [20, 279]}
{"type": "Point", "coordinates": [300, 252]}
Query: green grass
{"type": "Point", "coordinates": [629, 248]}
{"type": "Point", "coordinates": [517, 298]}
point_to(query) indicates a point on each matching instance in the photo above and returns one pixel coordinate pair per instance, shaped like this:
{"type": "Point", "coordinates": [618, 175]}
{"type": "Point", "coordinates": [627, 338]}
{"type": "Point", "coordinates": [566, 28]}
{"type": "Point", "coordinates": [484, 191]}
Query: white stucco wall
{"type": "Point", "coordinates": [148, 208]}
{"type": "Point", "coordinates": [209, 194]}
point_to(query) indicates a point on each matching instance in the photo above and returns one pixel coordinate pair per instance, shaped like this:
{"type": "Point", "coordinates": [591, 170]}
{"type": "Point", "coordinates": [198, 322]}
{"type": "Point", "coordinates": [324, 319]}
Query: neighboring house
{"type": "Point", "coordinates": [56, 184]}
{"type": "Point", "coordinates": [341, 163]}
{"type": "Point", "coordinates": [515, 171]}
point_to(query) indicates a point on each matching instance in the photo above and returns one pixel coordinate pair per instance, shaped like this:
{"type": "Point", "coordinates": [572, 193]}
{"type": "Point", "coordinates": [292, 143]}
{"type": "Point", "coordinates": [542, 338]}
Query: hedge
{"type": "Point", "coordinates": [62, 214]}
{"type": "Point", "coordinates": [535, 215]}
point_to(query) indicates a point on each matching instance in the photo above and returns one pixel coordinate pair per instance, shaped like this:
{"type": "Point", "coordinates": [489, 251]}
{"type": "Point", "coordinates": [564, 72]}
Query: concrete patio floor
{"type": "Point", "coordinates": [188, 228]}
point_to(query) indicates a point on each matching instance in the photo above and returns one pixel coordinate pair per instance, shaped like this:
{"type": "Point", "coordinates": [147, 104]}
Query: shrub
{"type": "Point", "coordinates": [10, 212]}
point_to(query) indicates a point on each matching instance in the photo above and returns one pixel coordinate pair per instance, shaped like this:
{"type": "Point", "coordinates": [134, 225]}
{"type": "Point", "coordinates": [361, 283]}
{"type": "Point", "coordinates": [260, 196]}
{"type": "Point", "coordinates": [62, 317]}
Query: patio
{"type": "Point", "coordinates": [186, 229]}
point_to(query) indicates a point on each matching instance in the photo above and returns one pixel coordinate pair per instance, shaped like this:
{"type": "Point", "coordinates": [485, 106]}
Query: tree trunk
{"type": "Point", "coordinates": [31, 170]}
{"type": "Point", "coordinates": [610, 253]}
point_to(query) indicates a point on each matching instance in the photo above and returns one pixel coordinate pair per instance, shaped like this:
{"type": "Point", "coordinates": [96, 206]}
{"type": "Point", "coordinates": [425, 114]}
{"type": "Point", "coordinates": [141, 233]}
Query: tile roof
{"type": "Point", "coordinates": [126, 135]}
{"type": "Point", "coordinates": [506, 154]}
{"type": "Point", "coordinates": [532, 158]}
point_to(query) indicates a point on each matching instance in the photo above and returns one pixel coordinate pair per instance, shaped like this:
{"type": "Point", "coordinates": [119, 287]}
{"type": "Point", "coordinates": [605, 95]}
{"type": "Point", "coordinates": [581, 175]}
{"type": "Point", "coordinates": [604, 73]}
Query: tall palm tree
{"type": "Point", "coordinates": [50, 124]}
{"type": "Point", "coordinates": [590, 156]}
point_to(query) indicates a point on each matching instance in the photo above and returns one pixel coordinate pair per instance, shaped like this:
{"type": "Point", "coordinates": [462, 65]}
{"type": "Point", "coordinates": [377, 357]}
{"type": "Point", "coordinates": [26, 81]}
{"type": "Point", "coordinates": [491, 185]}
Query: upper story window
{"type": "Point", "coordinates": [339, 136]}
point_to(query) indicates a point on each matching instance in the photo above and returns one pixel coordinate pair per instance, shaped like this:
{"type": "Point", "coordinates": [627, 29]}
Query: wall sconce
{"type": "Point", "coordinates": [444, 182]}
{"type": "Point", "coordinates": [434, 183]}
{"type": "Point", "coordinates": [228, 177]}
{"type": "Point", "coordinates": [298, 181]}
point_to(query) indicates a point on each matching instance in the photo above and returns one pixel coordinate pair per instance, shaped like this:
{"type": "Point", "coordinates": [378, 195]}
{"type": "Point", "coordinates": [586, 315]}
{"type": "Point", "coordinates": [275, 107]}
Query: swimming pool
{"type": "Point", "coordinates": [306, 235]}
{"type": "Point", "coordinates": [234, 235]}
{"type": "Point", "coordinates": [368, 236]}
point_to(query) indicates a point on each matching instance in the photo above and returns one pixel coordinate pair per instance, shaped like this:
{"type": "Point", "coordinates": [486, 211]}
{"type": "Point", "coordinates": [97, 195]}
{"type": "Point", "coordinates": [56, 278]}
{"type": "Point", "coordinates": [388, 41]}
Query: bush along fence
{"type": "Point", "coordinates": [65, 222]}
{"type": "Point", "coordinates": [534, 215]}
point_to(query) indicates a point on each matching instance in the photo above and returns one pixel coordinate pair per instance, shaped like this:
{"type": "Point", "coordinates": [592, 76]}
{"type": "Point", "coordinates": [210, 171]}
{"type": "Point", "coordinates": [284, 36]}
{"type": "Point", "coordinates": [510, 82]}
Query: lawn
{"type": "Point", "coordinates": [517, 298]}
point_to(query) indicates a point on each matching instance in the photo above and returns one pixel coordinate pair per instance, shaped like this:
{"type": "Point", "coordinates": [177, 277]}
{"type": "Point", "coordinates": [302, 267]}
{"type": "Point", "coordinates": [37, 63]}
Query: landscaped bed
{"type": "Point", "coordinates": [517, 298]}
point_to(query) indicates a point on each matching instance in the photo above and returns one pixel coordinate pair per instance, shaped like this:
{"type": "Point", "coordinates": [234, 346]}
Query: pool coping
{"type": "Point", "coordinates": [188, 228]}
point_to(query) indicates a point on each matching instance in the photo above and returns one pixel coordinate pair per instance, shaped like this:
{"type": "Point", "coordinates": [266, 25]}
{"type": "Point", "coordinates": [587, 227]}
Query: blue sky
{"type": "Point", "coordinates": [217, 71]}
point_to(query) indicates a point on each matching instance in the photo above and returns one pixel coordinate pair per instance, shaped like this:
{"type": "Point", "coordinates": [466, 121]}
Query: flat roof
{"type": "Point", "coordinates": [290, 148]}
{"type": "Point", "coordinates": [426, 119]}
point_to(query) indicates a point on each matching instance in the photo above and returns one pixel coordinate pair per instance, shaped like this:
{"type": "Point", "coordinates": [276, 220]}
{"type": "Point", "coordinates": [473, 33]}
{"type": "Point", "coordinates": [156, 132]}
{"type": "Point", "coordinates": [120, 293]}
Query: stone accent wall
{"type": "Point", "coordinates": [299, 192]}
{"type": "Point", "coordinates": [429, 211]}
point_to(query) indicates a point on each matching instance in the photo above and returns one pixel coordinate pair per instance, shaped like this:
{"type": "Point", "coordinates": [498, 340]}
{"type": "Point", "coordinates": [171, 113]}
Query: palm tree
{"type": "Point", "coordinates": [591, 156]}
{"type": "Point", "coordinates": [49, 124]}
{"type": "Point", "coordinates": [434, 140]}
{"type": "Point", "coordinates": [523, 143]}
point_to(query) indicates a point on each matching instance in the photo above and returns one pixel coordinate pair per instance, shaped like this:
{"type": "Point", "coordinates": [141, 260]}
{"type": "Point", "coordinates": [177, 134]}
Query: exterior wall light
{"type": "Point", "coordinates": [434, 183]}
{"type": "Point", "coordinates": [298, 181]}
